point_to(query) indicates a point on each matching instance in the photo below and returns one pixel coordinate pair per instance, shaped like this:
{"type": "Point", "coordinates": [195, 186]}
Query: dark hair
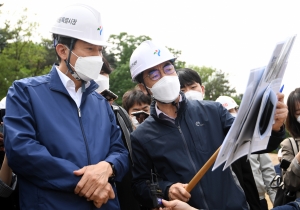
{"type": "Point", "coordinates": [292, 124]}
{"type": "Point", "coordinates": [106, 68]}
{"type": "Point", "coordinates": [188, 77]}
{"type": "Point", "coordinates": [139, 78]}
{"type": "Point", "coordinates": [57, 39]}
{"type": "Point", "coordinates": [134, 96]}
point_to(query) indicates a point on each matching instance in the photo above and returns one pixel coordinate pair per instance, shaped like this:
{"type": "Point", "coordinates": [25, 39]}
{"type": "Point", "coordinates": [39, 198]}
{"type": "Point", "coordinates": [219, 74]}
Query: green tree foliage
{"type": "Point", "coordinates": [122, 47]}
{"type": "Point", "coordinates": [50, 57]}
{"type": "Point", "coordinates": [218, 85]}
{"type": "Point", "coordinates": [21, 57]}
{"type": "Point", "coordinates": [5, 35]}
{"type": "Point", "coordinates": [178, 64]}
{"type": "Point", "coordinates": [238, 98]}
{"type": "Point", "coordinates": [215, 83]}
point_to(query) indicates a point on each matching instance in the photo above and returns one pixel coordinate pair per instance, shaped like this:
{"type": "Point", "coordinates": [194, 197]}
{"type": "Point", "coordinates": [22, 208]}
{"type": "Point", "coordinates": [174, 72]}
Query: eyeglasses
{"type": "Point", "coordinates": [155, 74]}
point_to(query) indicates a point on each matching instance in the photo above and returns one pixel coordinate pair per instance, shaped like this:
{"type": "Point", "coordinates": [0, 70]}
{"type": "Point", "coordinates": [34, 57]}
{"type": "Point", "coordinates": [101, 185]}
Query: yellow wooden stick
{"type": "Point", "coordinates": [202, 171]}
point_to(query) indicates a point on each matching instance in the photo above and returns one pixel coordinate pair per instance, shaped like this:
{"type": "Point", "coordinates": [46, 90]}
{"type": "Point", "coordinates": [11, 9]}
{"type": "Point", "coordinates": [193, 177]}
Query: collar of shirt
{"type": "Point", "coordinates": [163, 115]}
{"type": "Point", "coordinates": [70, 86]}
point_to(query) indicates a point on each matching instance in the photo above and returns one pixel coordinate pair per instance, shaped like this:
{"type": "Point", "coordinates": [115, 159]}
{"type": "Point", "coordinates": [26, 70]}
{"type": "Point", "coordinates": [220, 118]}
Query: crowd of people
{"type": "Point", "coordinates": [66, 144]}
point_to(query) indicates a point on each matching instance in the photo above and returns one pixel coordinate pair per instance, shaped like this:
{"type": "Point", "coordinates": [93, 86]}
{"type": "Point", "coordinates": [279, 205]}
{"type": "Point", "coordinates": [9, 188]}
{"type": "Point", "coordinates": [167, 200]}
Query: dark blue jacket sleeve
{"type": "Point", "coordinates": [141, 172]}
{"type": "Point", "coordinates": [26, 156]}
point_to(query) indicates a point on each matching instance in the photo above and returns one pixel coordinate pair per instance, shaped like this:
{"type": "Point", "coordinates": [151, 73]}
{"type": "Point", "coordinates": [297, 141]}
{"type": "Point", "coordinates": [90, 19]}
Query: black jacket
{"type": "Point", "coordinates": [124, 191]}
{"type": "Point", "coordinates": [179, 150]}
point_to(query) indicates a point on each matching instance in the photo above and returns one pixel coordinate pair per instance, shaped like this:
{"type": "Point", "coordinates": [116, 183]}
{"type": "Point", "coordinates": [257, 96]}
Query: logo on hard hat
{"type": "Point", "coordinates": [67, 20]}
{"type": "Point", "coordinates": [133, 64]}
{"type": "Point", "coordinates": [100, 29]}
{"type": "Point", "coordinates": [158, 52]}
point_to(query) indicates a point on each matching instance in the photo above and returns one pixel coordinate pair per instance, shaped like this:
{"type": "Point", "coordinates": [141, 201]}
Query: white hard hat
{"type": "Point", "coordinates": [227, 102]}
{"type": "Point", "coordinates": [3, 103]}
{"type": "Point", "coordinates": [147, 55]}
{"type": "Point", "coordinates": [82, 22]}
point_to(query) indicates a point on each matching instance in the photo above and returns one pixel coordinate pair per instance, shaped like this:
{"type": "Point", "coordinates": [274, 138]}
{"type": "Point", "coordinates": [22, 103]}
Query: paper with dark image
{"type": "Point", "coordinates": [251, 130]}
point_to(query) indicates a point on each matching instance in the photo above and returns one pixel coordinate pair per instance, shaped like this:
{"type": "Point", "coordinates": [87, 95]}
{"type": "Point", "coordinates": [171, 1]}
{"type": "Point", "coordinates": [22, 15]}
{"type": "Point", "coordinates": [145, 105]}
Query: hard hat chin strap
{"type": "Point", "coordinates": [176, 106]}
{"type": "Point", "coordinates": [73, 73]}
{"type": "Point", "coordinates": [147, 89]}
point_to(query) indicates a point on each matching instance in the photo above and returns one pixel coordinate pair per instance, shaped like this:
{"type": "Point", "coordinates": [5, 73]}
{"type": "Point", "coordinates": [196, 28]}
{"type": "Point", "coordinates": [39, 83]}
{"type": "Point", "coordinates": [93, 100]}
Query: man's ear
{"type": "Point", "coordinates": [62, 51]}
{"type": "Point", "coordinates": [203, 89]}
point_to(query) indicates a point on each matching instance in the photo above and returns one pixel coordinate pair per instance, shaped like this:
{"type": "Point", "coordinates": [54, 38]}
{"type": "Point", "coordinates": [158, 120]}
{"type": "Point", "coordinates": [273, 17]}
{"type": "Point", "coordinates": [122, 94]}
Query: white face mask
{"type": "Point", "coordinates": [194, 95]}
{"type": "Point", "coordinates": [298, 119]}
{"type": "Point", "coordinates": [234, 114]}
{"type": "Point", "coordinates": [166, 89]}
{"type": "Point", "coordinates": [88, 68]}
{"type": "Point", "coordinates": [103, 83]}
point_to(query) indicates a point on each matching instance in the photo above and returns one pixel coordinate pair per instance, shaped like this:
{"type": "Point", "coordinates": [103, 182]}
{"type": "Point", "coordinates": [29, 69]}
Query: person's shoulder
{"type": "Point", "coordinates": [32, 81]}
{"type": "Point", "coordinates": [285, 143]}
{"type": "Point", "coordinates": [205, 104]}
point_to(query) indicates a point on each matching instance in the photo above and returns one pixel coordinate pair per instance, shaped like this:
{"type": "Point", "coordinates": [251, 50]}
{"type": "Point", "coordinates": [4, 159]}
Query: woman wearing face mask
{"type": "Point", "coordinates": [190, 84]}
{"type": "Point", "coordinates": [291, 175]}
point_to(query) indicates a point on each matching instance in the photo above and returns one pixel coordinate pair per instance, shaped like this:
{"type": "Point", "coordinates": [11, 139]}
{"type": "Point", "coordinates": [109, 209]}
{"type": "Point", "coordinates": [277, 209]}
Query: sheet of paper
{"type": "Point", "coordinates": [229, 143]}
{"type": "Point", "coordinates": [260, 139]}
{"type": "Point", "coordinates": [245, 135]}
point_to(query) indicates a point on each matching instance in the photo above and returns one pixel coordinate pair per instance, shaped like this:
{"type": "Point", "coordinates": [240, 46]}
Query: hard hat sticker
{"type": "Point", "coordinates": [158, 52]}
{"type": "Point", "coordinates": [100, 28]}
{"type": "Point", "coordinates": [67, 20]}
{"type": "Point", "coordinates": [133, 64]}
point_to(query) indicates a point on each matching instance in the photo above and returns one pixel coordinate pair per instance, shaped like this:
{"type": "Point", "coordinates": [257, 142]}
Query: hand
{"type": "Point", "coordinates": [105, 194]}
{"type": "Point", "coordinates": [177, 191]}
{"type": "Point", "coordinates": [93, 183]}
{"type": "Point", "coordinates": [5, 172]}
{"type": "Point", "coordinates": [176, 205]}
{"type": "Point", "coordinates": [281, 113]}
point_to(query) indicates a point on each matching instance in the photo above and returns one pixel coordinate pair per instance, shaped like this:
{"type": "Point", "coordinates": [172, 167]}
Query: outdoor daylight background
{"type": "Point", "coordinates": [233, 36]}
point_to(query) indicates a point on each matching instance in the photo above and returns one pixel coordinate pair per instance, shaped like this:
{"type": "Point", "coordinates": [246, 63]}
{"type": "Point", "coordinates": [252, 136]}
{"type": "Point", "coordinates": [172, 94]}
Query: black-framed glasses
{"type": "Point", "coordinates": [154, 74]}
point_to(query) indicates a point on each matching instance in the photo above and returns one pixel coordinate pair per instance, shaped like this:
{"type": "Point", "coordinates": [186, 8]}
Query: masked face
{"type": "Point", "coordinates": [88, 68]}
{"type": "Point", "coordinates": [166, 89]}
{"type": "Point", "coordinates": [194, 95]}
{"type": "Point", "coordinates": [103, 83]}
